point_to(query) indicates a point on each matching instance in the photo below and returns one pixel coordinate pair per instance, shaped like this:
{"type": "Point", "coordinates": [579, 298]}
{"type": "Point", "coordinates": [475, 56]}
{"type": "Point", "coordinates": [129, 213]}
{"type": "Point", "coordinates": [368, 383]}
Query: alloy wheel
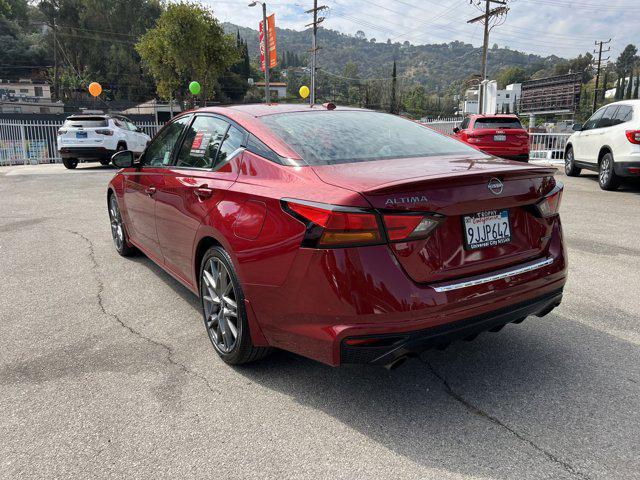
{"type": "Point", "coordinates": [117, 231]}
{"type": "Point", "coordinates": [605, 165]}
{"type": "Point", "coordinates": [220, 305]}
{"type": "Point", "coordinates": [568, 162]}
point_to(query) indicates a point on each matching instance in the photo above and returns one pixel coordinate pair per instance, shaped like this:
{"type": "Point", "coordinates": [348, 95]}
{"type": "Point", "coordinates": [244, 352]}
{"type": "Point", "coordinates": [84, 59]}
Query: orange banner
{"type": "Point", "coordinates": [271, 42]}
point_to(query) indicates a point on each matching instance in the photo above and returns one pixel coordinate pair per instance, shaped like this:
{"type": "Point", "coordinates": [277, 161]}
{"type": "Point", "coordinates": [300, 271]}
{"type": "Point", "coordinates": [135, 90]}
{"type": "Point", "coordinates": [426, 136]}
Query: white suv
{"type": "Point", "coordinates": [608, 143]}
{"type": "Point", "coordinates": [97, 137]}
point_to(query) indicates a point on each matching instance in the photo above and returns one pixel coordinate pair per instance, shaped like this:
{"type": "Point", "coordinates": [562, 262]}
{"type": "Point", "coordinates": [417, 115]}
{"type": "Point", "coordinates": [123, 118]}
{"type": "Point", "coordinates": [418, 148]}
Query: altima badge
{"type": "Point", "coordinates": [406, 200]}
{"type": "Point", "coordinates": [496, 186]}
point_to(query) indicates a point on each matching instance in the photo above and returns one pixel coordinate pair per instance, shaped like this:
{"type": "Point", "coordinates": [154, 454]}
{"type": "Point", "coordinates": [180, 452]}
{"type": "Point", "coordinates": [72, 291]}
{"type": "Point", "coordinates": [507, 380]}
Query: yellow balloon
{"type": "Point", "coordinates": [304, 91]}
{"type": "Point", "coordinates": [95, 89]}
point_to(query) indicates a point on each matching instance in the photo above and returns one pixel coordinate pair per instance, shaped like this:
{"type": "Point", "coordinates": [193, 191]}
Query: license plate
{"type": "Point", "coordinates": [81, 134]}
{"type": "Point", "coordinates": [486, 229]}
{"type": "Point", "coordinates": [499, 138]}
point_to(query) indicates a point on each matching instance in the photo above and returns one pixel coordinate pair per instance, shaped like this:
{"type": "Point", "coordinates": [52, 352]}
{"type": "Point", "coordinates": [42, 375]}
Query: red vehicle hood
{"type": "Point", "coordinates": [385, 175]}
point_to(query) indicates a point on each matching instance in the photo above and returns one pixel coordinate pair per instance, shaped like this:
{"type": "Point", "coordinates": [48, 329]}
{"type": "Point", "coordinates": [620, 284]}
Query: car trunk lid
{"type": "Point", "coordinates": [453, 187]}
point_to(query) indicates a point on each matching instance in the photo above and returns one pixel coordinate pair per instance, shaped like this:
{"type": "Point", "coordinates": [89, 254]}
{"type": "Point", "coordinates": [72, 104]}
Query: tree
{"type": "Point", "coordinates": [510, 75]}
{"type": "Point", "coordinates": [187, 44]}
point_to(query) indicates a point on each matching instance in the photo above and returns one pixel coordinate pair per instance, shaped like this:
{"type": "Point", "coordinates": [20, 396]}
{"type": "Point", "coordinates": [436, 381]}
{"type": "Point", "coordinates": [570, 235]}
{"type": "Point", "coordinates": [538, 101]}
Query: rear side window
{"type": "Point", "coordinates": [323, 137]}
{"type": "Point", "coordinates": [624, 114]}
{"type": "Point", "coordinates": [201, 142]}
{"type": "Point", "coordinates": [86, 122]}
{"type": "Point", "coordinates": [497, 122]}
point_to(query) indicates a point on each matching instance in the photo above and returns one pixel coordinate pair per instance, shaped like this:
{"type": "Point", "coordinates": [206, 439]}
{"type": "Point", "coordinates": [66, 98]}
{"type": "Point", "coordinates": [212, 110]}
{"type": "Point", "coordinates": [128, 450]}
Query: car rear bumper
{"type": "Point", "coordinates": [86, 153]}
{"type": "Point", "coordinates": [388, 349]}
{"type": "Point", "coordinates": [334, 295]}
{"type": "Point", "coordinates": [627, 169]}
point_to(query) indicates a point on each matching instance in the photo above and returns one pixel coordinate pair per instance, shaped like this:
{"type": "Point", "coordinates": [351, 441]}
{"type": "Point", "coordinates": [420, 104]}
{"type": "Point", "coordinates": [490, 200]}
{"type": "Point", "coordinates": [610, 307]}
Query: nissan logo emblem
{"type": "Point", "coordinates": [495, 186]}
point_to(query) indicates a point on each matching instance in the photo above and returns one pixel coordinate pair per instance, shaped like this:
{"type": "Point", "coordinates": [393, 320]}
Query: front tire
{"type": "Point", "coordinates": [118, 231]}
{"type": "Point", "coordinates": [607, 177]}
{"type": "Point", "coordinates": [570, 168]}
{"type": "Point", "coordinates": [70, 163]}
{"type": "Point", "coordinates": [223, 310]}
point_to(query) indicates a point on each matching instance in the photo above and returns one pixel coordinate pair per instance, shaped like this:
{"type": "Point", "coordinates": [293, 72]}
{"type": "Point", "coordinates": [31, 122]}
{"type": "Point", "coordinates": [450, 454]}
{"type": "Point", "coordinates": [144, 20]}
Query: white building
{"type": "Point", "coordinates": [506, 100]}
{"type": "Point", "coordinates": [24, 96]}
{"type": "Point", "coordinates": [276, 89]}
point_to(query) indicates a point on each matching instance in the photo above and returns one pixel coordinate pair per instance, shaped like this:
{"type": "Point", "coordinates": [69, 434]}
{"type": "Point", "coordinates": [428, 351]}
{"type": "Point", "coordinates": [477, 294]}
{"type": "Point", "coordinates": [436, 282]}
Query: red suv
{"type": "Point", "coordinates": [345, 235]}
{"type": "Point", "coordinates": [498, 135]}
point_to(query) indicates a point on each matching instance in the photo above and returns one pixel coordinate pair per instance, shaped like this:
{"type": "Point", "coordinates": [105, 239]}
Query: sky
{"type": "Point", "coordinates": [562, 27]}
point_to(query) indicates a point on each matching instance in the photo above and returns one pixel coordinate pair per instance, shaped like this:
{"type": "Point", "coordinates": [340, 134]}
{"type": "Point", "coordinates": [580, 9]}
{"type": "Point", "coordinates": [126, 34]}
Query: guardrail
{"type": "Point", "coordinates": [34, 141]}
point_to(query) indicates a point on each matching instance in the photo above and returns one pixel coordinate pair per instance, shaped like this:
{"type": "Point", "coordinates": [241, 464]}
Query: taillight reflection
{"type": "Point", "coordinates": [550, 205]}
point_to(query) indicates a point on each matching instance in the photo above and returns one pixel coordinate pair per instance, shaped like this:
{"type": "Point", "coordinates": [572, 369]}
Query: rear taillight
{"type": "Point", "coordinates": [410, 226]}
{"type": "Point", "coordinates": [104, 131]}
{"type": "Point", "coordinates": [331, 226]}
{"type": "Point", "coordinates": [62, 131]}
{"type": "Point", "coordinates": [550, 205]}
{"type": "Point", "coordinates": [633, 136]}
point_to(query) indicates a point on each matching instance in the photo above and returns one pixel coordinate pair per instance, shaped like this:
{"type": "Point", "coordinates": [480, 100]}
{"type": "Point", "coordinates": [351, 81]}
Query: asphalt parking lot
{"type": "Point", "coordinates": [106, 369]}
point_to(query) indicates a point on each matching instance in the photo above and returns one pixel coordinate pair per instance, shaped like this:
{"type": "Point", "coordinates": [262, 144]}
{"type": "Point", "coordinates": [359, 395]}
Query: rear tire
{"type": "Point", "coordinates": [607, 177]}
{"type": "Point", "coordinates": [223, 310]}
{"type": "Point", "coordinates": [70, 163]}
{"type": "Point", "coordinates": [569, 164]}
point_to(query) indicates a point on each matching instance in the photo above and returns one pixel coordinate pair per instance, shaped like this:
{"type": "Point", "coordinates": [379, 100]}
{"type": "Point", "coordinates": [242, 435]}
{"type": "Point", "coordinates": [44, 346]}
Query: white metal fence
{"type": "Point", "coordinates": [34, 141]}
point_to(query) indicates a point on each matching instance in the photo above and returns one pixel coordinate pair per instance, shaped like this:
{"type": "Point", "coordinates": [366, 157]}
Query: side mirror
{"type": "Point", "coordinates": [577, 127]}
{"type": "Point", "coordinates": [123, 159]}
{"type": "Point", "coordinates": [456, 129]}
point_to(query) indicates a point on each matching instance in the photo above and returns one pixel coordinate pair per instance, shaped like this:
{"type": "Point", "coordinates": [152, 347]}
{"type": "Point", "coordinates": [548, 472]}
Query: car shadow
{"type": "Point", "coordinates": [507, 404]}
{"type": "Point", "coordinates": [627, 185]}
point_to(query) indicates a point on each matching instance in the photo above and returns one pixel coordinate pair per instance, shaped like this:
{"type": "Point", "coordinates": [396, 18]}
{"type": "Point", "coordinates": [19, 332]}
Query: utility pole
{"type": "Point", "coordinates": [56, 81]}
{"type": "Point", "coordinates": [489, 13]}
{"type": "Point", "coordinates": [265, 46]}
{"type": "Point", "coordinates": [314, 46]}
{"type": "Point", "coordinates": [598, 66]}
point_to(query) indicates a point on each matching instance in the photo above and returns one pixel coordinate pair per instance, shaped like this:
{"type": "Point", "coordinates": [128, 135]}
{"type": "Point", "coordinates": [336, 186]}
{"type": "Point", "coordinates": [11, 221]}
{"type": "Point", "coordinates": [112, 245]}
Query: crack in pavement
{"type": "Point", "coordinates": [481, 413]}
{"type": "Point", "coordinates": [100, 298]}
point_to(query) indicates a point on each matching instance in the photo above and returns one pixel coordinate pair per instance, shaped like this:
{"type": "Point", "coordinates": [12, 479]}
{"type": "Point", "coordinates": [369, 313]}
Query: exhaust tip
{"type": "Point", "coordinates": [396, 363]}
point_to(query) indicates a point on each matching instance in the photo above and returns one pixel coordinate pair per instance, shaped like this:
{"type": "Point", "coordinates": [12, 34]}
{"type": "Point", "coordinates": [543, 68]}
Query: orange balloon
{"type": "Point", "coordinates": [95, 89]}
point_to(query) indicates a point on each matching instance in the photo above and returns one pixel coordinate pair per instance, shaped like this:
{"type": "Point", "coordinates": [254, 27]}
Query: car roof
{"type": "Point", "coordinates": [499, 115]}
{"type": "Point", "coordinates": [263, 109]}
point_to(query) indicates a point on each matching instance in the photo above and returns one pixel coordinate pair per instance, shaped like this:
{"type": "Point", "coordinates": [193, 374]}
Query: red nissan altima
{"type": "Point", "coordinates": [341, 234]}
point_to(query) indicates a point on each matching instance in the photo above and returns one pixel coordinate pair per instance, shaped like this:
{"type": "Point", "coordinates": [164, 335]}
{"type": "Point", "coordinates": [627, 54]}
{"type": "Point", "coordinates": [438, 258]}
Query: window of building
{"type": "Point", "coordinates": [38, 91]}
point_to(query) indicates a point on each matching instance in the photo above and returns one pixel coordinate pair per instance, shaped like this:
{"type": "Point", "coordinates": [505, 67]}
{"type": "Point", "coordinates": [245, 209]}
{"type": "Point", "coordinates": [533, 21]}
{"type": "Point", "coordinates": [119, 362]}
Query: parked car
{"type": "Point", "coordinates": [498, 135]}
{"type": "Point", "coordinates": [340, 234]}
{"type": "Point", "coordinates": [95, 138]}
{"type": "Point", "coordinates": [608, 143]}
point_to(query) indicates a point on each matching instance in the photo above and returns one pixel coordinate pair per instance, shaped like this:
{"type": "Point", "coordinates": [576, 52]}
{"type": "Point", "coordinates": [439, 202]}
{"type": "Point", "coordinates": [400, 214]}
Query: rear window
{"type": "Point", "coordinates": [497, 122]}
{"type": "Point", "coordinates": [333, 137]}
{"type": "Point", "coordinates": [86, 122]}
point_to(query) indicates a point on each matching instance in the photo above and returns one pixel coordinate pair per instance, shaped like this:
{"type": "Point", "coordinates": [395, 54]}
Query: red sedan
{"type": "Point", "coordinates": [344, 235]}
{"type": "Point", "coordinates": [498, 135]}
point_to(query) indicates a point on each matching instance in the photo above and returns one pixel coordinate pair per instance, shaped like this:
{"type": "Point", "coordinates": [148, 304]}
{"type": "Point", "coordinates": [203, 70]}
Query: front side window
{"type": "Point", "coordinates": [593, 121]}
{"type": "Point", "coordinates": [465, 124]}
{"type": "Point", "coordinates": [607, 117]}
{"type": "Point", "coordinates": [200, 146]}
{"type": "Point", "coordinates": [323, 137]}
{"type": "Point", "coordinates": [158, 152]}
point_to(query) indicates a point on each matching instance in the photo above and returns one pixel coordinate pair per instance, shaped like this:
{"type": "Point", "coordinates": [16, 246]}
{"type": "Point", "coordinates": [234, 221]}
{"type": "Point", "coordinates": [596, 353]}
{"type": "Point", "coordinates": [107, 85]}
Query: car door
{"type": "Point", "coordinates": [137, 138]}
{"type": "Point", "coordinates": [142, 184]}
{"type": "Point", "coordinates": [204, 168]}
{"type": "Point", "coordinates": [600, 135]}
{"type": "Point", "coordinates": [585, 139]}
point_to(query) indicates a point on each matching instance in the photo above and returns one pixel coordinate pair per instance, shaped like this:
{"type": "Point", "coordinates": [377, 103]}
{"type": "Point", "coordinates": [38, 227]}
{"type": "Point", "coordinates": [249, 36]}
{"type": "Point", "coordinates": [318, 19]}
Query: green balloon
{"type": "Point", "coordinates": [194, 87]}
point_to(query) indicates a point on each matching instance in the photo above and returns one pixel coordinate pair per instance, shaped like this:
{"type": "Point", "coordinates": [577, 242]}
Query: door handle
{"type": "Point", "coordinates": [150, 191]}
{"type": "Point", "coordinates": [203, 192]}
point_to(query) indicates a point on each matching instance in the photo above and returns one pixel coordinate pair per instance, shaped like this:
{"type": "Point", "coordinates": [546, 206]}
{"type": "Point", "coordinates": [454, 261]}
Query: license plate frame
{"type": "Point", "coordinates": [489, 227]}
{"type": "Point", "coordinates": [81, 134]}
